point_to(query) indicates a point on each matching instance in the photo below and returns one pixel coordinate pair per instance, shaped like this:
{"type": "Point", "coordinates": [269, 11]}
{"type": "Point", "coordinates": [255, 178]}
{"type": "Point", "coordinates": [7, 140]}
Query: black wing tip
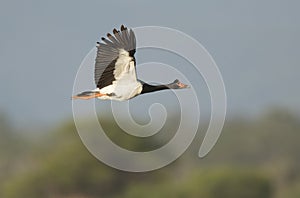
{"type": "Point", "coordinates": [118, 37]}
{"type": "Point", "coordinates": [123, 28]}
{"type": "Point", "coordinates": [115, 31]}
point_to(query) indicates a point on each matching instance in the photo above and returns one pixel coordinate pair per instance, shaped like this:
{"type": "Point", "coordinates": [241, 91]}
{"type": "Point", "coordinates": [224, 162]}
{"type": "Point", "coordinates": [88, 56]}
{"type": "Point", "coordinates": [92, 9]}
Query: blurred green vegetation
{"type": "Point", "coordinates": [254, 158]}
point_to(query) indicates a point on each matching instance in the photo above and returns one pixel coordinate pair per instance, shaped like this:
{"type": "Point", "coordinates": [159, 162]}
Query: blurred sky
{"type": "Point", "coordinates": [42, 43]}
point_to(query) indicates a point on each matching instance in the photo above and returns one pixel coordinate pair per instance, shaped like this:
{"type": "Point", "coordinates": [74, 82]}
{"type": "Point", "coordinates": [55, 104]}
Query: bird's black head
{"type": "Point", "coordinates": [177, 85]}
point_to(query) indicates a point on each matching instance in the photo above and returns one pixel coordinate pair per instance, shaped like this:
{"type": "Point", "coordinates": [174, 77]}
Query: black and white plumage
{"type": "Point", "coordinates": [115, 71]}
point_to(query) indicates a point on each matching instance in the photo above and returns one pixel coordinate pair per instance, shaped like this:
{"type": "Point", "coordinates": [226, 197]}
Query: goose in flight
{"type": "Point", "coordinates": [115, 72]}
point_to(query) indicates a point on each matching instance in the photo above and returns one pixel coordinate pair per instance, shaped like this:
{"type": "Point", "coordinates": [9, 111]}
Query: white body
{"type": "Point", "coordinates": [126, 85]}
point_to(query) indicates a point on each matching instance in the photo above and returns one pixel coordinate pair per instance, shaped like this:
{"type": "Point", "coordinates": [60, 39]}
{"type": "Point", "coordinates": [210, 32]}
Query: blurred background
{"type": "Point", "coordinates": [254, 43]}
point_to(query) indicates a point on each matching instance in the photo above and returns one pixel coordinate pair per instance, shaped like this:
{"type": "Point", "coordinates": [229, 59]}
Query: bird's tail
{"type": "Point", "coordinates": [86, 95]}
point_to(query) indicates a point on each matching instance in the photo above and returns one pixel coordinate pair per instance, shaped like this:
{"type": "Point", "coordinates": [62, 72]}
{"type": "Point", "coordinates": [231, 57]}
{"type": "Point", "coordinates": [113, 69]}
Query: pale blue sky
{"type": "Point", "coordinates": [42, 43]}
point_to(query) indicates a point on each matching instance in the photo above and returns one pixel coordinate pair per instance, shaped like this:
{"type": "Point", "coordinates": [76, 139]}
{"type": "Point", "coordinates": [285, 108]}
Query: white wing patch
{"type": "Point", "coordinates": [126, 85]}
{"type": "Point", "coordinates": [122, 63]}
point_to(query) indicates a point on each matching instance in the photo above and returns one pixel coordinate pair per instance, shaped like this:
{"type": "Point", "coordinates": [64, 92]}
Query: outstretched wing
{"type": "Point", "coordinates": [113, 56]}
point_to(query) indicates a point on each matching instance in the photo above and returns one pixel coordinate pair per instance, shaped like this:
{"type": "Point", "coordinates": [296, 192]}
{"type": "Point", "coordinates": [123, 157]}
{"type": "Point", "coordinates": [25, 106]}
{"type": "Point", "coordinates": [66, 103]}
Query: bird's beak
{"type": "Point", "coordinates": [181, 85]}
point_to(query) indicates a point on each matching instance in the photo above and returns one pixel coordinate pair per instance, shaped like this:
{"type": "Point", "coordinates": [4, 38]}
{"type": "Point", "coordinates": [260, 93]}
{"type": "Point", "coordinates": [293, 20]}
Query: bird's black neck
{"type": "Point", "coordinates": [151, 88]}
